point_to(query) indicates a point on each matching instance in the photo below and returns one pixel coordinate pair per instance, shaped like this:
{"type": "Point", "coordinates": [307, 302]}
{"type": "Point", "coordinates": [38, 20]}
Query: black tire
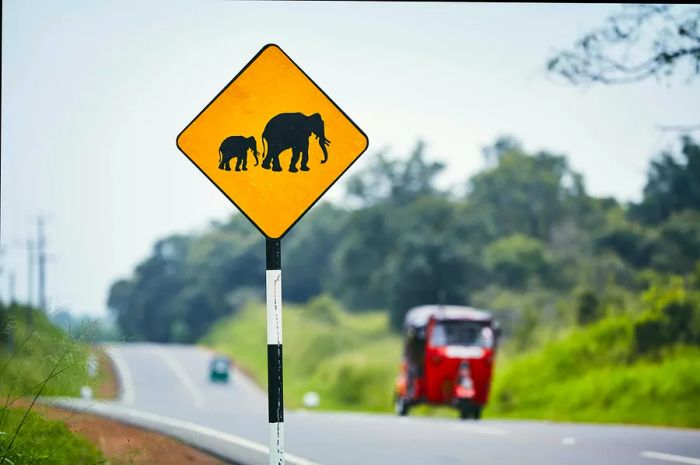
{"type": "Point", "coordinates": [477, 413]}
{"type": "Point", "coordinates": [401, 406]}
{"type": "Point", "coordinates": [468, 410]}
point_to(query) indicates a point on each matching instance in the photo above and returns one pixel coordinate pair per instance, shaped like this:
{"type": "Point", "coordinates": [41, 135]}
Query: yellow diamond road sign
{"type": "Point", "coordinates": [272, 141]}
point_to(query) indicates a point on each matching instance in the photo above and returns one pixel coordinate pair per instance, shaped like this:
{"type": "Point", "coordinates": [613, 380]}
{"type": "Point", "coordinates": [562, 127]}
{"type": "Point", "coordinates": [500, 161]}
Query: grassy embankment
{"type": "Point", "coordinates": [598, 373]}
{"type": "Point", "coordinates": [642, 367]}
{"type": "Point", "coordinates": [349, 360]}
{"type": "Point", "coordinates": [40, 360]}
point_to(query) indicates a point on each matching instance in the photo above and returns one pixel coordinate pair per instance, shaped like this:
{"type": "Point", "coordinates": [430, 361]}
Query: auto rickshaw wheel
{"type": "Point", "coordinates": [468, 410]}
{"type": "Point", "coordinates": [401, 406]}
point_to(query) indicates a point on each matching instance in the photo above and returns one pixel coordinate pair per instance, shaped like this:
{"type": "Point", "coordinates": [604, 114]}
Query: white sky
{"type": "Point", "coordinates": [94, 93]}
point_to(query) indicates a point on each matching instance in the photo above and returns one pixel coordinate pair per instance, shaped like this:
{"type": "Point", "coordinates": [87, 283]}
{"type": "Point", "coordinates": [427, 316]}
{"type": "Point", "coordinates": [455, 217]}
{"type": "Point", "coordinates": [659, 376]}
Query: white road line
{"type": "Point", "coordinates": [127, 392]}
{"type": "Point", "coordinates": [181, 374]}
{"type": "Point", "coordinates": [650, 454]}
{"type": "Point", "coordinates": [195, 428]}
{"type": "Point", "coordinates": [568, 441]}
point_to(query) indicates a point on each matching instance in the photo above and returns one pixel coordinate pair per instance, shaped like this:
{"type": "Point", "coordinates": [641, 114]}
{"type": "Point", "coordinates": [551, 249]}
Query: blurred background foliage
{"type": "Point", "coordinates": [599, 301]}
{"type": "Point", "coordinates": [526, 240]}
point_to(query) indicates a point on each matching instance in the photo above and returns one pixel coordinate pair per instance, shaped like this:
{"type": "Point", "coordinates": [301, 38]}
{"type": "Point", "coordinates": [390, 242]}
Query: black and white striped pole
{"type": "Point", "coordinates": [275, 406]}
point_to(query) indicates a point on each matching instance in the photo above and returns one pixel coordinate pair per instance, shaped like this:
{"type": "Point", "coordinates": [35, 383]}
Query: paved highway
{"type": "Point", "coordinates": [165, 387]}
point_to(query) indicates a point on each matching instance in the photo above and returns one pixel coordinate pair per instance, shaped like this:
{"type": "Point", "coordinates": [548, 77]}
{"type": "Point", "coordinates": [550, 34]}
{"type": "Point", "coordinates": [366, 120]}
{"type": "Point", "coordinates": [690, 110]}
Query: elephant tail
{"type": "Point", "coordinates": [221, 156]}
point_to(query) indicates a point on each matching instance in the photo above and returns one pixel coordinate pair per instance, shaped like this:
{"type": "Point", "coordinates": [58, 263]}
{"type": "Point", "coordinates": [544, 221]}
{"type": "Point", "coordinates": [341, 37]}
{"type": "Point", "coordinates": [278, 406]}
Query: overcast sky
{"type": "Point", "coordinates": [94, 93]}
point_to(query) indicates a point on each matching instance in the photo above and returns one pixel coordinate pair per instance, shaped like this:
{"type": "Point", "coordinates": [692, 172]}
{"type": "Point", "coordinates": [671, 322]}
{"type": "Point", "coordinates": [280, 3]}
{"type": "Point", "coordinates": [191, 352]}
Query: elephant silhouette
{"type": "Point", "coordinates": [237, 146]}
{"type": "Point", "coordinates": [292, 131]}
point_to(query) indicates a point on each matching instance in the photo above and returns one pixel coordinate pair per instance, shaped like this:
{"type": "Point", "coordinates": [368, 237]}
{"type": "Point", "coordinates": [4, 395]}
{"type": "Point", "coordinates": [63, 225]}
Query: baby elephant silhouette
{"type": "Point", "coordinates": [237, 146]}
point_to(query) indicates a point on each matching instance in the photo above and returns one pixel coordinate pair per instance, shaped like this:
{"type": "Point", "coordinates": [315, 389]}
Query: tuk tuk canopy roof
{"type": "Point", "coordinates": [419, 316]}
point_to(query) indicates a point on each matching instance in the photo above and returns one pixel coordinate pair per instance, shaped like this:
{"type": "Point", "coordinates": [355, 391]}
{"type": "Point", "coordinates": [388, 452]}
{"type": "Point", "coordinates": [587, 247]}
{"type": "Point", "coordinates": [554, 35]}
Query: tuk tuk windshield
{"type": "Point", "coordinates": [460, 333]}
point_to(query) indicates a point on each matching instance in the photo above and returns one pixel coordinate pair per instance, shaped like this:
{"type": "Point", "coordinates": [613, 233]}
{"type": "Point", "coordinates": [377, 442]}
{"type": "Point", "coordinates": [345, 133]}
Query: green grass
{"type": "Point", "coordinates": [593, 374]}
{"type": "Point", "coordinates": [42, 442]}
{"type": "Point", "coordinates": [349, 360]}
{"type": "Point", "coordinates": [39, 359]}
{"type": "Point", "coordinates": [39, 351]}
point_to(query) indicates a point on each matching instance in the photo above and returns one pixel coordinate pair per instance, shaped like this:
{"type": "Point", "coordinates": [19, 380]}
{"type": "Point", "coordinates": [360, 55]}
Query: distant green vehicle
{"type": "Point", "coordinates": [219, 369]}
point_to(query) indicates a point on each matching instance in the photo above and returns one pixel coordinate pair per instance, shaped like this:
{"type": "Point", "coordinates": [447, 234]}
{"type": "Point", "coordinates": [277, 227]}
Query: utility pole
{"type": "Point", "coordinates": [41, 255]}
{"type": "Point", "coordinates": [30, 273]}
{"type": "Point", "coordinates": [11, 286]}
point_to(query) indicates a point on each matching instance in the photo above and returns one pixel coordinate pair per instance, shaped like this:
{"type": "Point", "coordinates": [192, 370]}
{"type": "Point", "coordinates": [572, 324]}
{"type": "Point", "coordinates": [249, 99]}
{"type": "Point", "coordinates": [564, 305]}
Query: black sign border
{"type": "Point", "coordinates": [321, 90]}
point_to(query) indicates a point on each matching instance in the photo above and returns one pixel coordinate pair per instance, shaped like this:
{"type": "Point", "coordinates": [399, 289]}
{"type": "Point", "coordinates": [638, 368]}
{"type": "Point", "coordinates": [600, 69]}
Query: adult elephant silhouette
{"type": "Point", "coordinates": [237, 146]}
{"type": "Point", "coordinates": [292, 131]}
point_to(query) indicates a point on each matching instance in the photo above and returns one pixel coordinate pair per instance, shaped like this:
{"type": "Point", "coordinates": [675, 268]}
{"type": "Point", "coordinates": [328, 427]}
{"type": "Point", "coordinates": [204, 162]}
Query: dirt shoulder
{"type": "Point", "coordinates": [127, 445]}
{"type": "Point", "coordinates": [109, 386]}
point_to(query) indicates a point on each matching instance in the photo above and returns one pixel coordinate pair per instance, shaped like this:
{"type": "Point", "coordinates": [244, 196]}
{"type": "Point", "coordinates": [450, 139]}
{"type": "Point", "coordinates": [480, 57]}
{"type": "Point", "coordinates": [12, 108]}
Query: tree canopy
{"type": "Point", "coordinates": [524, 238]}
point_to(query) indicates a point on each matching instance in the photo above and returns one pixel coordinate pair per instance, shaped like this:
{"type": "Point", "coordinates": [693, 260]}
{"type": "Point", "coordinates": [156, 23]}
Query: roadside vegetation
{"type": "Point", "coordinates": [624, 368]}
{"type": "Point", "coordinates": [639, 368]}
{"type": "Point", "coordinates": [38, 359]}
{"type": "Point", "coordinates": [523, 238]}
{"type": "Point", "coordinates": [349, 360]}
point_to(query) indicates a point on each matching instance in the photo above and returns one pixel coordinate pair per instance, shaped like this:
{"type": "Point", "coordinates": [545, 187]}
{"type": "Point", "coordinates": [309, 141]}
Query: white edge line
{"type": "Point", "coordinates": [650, 454]}
{"type": "Point", "coordinates": [181, 374]}
{"type": "Point", "coordinates": [127, 389]}
{"type": "Point", "coordinates": [195, 428]}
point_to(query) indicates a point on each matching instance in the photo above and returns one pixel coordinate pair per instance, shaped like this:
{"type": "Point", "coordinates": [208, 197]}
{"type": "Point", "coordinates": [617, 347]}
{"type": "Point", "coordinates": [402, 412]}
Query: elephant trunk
{"type": "Point", "coordinates": [255, 153]}
{"type": "Point", "coordinates": [323, 143]}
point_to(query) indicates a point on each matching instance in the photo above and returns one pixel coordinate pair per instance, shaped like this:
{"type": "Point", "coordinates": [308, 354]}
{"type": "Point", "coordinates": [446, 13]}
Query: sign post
{"type": "Point", "coordinates": [273, 297]}
{"type": "Point", "coordinates": [274, 112]}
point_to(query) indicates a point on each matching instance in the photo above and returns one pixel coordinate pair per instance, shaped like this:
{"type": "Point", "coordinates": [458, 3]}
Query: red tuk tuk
{"type": "Point", "coordinates": [448, 359]}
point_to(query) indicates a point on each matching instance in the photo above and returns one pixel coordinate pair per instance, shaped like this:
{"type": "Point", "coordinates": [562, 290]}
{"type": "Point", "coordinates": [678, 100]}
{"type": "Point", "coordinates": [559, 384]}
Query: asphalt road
{"type": "Point", "coordinates": [165, 387]}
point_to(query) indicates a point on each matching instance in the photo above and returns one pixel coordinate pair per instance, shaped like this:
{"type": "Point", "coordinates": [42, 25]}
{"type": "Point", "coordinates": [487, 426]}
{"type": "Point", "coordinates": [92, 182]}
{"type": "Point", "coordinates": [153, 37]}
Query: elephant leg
{"type": "Point", "coordinates": [276, 159]}
{"type": "Point", "coordinates": [305, 156]}
{"type": "Point", "coordinates": [272, 159]}
{"type": "Point", "coordinates": [295, 159]}
{"type": "Point", "coordinates": [244, 165]}
{"type": "Point", "coordinates": [227, 164]}
{"type": "Point", "coordinates": [238, 163]}
{"type": "Point", "coordinates": [266, 160]}
{"type": "Point", "coordinates": [221, 163]}
{"type": "Point", "coordinates": [276, 163]}
{"type": "Point", "coordinates": [272, 153]}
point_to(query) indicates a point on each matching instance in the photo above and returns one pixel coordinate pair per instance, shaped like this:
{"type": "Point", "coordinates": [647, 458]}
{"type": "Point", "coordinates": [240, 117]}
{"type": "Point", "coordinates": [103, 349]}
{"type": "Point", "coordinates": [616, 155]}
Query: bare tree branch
{"type": "Point", "coordinates": [637, 43]}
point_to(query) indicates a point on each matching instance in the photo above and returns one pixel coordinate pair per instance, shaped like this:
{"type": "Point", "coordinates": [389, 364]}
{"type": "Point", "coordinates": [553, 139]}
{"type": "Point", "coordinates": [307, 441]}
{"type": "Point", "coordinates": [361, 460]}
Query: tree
{"type": "Point", "coordinates": [145, 304]}
{"type": "Point", "coordinates": [395, 181]}
{"type": "Point", "coordinates": [522, 193]}
{"type": "Point", "coordinates": [673, 184]}
{"type": "Point", "coordinates": [517, 259]}
{"type": "Point", "coordinates": [636, 43]}
{"type": "Point", "coordinates": [677, 247]}
{"type": "Point", "coordinates": [308, 250]}
{"type": "Point", "coordinates": [587, 307]}
{"type": "Point", "coordinates": [432, 260]}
